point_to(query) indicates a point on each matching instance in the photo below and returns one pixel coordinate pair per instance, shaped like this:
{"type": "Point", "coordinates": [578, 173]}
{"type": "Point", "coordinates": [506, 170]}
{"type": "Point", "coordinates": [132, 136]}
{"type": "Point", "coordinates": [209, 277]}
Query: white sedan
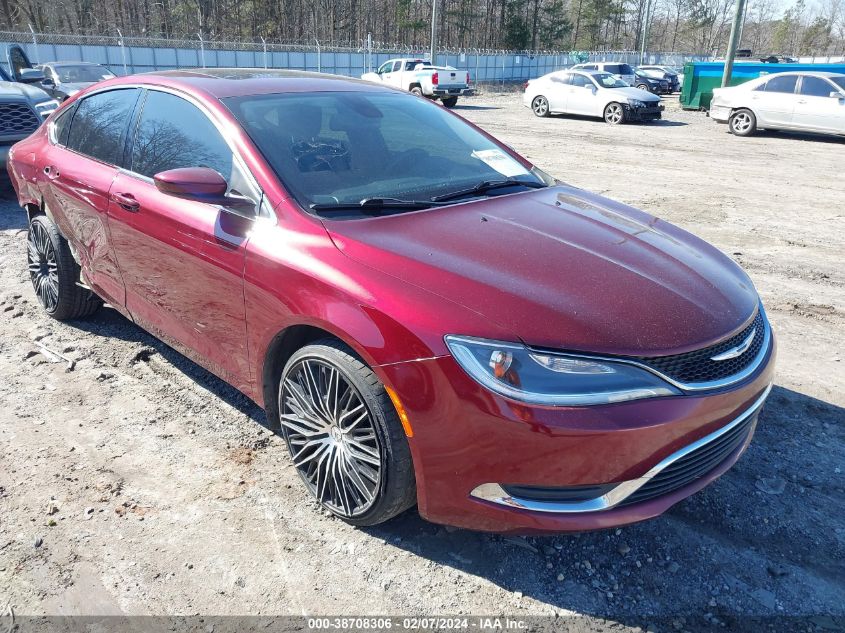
{"type": "Point", "coordinates": [805, 101]}
{"type": "Point", "coordinates": [590, 93]}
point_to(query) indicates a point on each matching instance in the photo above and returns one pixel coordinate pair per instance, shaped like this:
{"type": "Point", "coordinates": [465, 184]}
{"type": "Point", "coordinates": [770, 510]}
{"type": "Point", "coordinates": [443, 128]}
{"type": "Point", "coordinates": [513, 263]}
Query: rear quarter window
{"type": "Point", "coordinates": [100, 124]}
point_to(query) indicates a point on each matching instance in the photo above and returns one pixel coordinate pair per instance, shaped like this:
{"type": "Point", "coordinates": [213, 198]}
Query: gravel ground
{"type": "Point", "coordinates": [138, 483]}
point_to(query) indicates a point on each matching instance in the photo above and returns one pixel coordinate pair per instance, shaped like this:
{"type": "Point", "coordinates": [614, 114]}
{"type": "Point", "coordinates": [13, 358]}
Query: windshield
{"type": "Point", "coordinates": [82, 73]}
{"type": "Point", "coordinates": [345, 147]}
{"type": "Point", "coordinates": [606, 80]}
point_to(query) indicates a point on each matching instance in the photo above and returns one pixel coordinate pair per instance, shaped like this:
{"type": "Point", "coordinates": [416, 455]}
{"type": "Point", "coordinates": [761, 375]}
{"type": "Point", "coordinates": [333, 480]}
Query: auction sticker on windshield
{"type": "Point", "coordinates": [500, 161]}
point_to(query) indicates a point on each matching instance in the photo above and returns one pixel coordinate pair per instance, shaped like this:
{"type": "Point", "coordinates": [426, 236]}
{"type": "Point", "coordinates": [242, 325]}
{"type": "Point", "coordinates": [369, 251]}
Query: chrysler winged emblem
{"type": "Point", "coordinates": [736, 351]}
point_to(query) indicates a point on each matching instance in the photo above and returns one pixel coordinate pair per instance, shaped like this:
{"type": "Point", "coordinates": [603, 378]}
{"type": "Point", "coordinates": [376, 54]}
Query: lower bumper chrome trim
{"type": "Point", "coordinates": [494, 493]}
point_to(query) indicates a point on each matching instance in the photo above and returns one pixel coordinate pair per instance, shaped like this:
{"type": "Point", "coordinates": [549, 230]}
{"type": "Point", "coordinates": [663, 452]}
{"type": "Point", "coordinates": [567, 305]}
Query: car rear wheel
{"type": "Point", "coordinates": [55, 274]}
{"type": "Point", "coordinates": [416, 90]}
{"type": "Point", "coordinates": [450, 102]}
{"type": "Point", "coordinates": [614, 114]}
{"type": "Point", "coordinates": [742, 123]}
{"type": "Point", "coordinates": [344, 436]}
{"type": "Point", "coordinates": [540, 106]}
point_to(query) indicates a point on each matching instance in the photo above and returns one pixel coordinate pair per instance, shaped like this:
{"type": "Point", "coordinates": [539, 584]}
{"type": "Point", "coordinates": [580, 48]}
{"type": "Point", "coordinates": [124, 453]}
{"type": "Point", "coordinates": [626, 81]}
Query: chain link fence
{"type": "Point", "coordinates": [128, 55]}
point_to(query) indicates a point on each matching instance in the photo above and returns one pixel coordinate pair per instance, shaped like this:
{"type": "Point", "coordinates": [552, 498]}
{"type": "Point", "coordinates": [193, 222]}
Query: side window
{"type": "Point", "coordinates": [561, 78]}
{"type": "Point", "coordinates": [815, 87]}
{"type": "Point", "coordinates": [100, 124]}
{"type": "Point", "coordinates": [782, 83]}
{"type": "Point", "coordinates": [581, 81]}
{"type": "Point", "coordinates": [61, 126]}
{"type": "Point", "coordinates": [173, 133]}
{"type": "Point", "coordinates": [397, 66]}
{"type": "Point", "coordinates": [385, 67]}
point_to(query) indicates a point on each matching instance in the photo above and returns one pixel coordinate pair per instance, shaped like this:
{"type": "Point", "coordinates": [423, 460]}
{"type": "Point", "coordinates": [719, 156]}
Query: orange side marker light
{"type": "Point", "coordinates": [403, 417]}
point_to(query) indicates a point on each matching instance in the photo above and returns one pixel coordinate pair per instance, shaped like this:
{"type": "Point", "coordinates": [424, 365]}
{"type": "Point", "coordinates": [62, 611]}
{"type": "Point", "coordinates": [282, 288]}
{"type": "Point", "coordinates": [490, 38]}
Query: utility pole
{"type": "Point", "coordinates": [644, 37]}
{"type": "Point", "coordinates": [433, 31]}
{"type": "Point", "coordinates": [733, 43]}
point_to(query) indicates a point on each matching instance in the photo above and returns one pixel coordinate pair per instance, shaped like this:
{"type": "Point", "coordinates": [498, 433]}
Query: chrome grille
{"type": "Point", "coordinates": [17, 118]}
{"type": "Point", "coordinates": [698, 366]}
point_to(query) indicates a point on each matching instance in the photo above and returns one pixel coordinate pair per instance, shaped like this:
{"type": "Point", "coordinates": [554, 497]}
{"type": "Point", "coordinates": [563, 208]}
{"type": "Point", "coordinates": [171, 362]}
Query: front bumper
{"type": "Point", "coordinates": [467, 439]}
{"type": "Point", "coordinates": [648, 113]}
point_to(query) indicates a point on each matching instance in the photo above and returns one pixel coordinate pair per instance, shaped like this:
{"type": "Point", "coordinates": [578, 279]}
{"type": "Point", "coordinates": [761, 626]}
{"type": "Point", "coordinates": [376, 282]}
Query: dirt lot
{"type": "Point", "coordinates": [140, 484]}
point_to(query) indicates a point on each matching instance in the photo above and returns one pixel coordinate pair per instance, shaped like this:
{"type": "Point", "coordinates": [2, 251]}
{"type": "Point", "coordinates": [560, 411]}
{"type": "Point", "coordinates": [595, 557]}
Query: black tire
{"type": "Point", "coordinates": [416, 90]}
{"type": "Point", "coordinates": [55, 274]}
{"type": "Point", "coordinates": [540, 106]}
{"type": "Point", "coordinates": [742, 122]}
{"type": "Point", "coordinates": [395, 490]}
{"type": "Point", "coordinates": [450, 102]}
{"type": "Point", "coordinates": [614, 113]}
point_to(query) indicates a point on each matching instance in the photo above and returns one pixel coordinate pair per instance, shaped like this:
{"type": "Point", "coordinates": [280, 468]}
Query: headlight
{"type": "Point", "coordinates": [46, 108]}
{"type": "Point", "coordinates": [517, 372]}
{"type": "Point", "coordinates": [636, 103]}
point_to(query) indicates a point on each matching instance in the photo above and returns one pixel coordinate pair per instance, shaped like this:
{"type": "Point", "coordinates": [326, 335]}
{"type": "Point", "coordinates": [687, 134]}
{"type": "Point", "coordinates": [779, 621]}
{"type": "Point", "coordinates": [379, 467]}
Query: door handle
{"type": "Point", "coordinates": [802, 101]}
{"type": "Point", "coordinates": [51, 172]}
{"type": "Point", "coordinates": [126, 201]}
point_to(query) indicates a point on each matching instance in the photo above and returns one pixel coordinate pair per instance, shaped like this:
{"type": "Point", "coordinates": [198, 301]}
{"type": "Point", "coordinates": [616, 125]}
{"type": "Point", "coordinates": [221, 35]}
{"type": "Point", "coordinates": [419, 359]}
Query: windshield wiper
{"type": "Point", "coordinates": [374, 205]}
{"type": "Point", "coordinates": [488, 185]}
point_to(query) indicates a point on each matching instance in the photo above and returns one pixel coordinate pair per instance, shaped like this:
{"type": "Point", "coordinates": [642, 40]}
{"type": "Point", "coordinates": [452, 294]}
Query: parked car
{"type": "Point", "coordinates": [423, 79]}
{"type": "Point", "coordinates": [672, 75]}
{"type": "Point", "coordinates": [65, 79]}
{"type": "Point", "coordinates": [802, 101]}
{"type": "Point", "coordinates": [623, 72]}
{"type": "Point", "coordinates": [425, 316]}
{"type": "Point", "coordinates": [23, 107]}
{"type": "Point", "coordinates": [651, 84]}
{"type": "Point", "coordinates": [590, 93]}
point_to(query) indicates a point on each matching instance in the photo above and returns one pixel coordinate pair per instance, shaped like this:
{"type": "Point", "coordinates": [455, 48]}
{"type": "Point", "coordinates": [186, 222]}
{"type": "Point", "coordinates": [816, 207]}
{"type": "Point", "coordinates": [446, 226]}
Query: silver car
{"type": "Point", "coordinates": [802, 101]}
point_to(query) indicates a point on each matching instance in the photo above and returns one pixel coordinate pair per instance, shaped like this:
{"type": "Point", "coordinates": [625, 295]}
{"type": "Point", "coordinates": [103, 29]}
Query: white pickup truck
{"type": "Point", "coordinates": [421, 78]}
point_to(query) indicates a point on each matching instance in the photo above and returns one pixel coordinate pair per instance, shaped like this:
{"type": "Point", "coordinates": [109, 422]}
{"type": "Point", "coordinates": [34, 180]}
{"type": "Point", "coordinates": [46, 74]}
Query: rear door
{"type": "Point", "coordinates": [558, 92]}
{"type": "Point", "coordinates": [815, 109]}
{"type": "Point", "coordinates": [182, 260]}
{"type": "Point", "coordinates": [774, 101]}
{"type": "Point", "coordinates": [75, 175]}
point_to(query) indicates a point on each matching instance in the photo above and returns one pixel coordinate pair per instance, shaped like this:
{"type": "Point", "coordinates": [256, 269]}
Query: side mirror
{"type": "Point", "coordinates": [30, 75]}
{"type": "Point", "coordinates": [203, 184]}
{"type": "Point", "coordinates": [837, 95]}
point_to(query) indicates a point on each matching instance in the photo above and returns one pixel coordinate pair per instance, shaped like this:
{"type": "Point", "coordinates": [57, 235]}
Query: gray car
{"type": "Point", "coordinates": [65, 79]}
{"type": "Point", "coordinates": [23, 107]}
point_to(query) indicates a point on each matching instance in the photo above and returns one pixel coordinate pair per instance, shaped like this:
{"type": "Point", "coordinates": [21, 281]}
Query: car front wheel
{"type": "Point", "coordinates": [742, 123]}
{"type": "Point", "coordinates": [55, 274]}
{"type": "Point", "coordinates": [644, 87]}
{"type": "Point", "coordinates": [614, 114]}
{"type": "Point", "coordinates": [540, 106]}
{"type": "Point", "coordinates": [344, 435]}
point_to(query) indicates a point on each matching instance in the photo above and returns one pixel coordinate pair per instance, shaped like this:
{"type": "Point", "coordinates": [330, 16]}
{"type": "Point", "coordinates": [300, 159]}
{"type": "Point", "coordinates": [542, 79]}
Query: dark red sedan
{"type": "Point", "coordinates": [425, 316]}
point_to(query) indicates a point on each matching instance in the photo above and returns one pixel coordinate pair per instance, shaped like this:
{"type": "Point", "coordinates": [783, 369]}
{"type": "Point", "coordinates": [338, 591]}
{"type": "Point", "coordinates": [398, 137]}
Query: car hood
{"type": "Point", "coordinates": [25, 91]}
{"type": "Point", "coordinates": [634, 93]}
{"type": "Point", "coordinates": [564, 269]}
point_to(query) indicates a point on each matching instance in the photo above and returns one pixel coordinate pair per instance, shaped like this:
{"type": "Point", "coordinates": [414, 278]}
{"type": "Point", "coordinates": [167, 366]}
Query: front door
{"type": "Point", "coordinates": [182, 260]}
{"type": "Point", "coordinates": [76, 177]}
{"type": "Point", "coordinates": [582, 96]}
{"type": "Point", "coordinates": [815, 109]}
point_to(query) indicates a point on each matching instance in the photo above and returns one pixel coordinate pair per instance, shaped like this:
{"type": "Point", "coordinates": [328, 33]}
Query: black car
{"type": "Point", "coordinates": [652, 84]}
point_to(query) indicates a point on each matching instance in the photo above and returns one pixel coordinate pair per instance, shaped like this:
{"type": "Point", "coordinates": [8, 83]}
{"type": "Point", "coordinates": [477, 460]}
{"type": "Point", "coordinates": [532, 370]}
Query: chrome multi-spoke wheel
{"type": "Point", "coordinates": [332, 436]}
{"type": "Point", "coordinates": [344, 434]}
{"type": "Point", "coordinates": [43, 266]}
{"type": "Point", "coordinates": [614, 114]}
{"type": "Point", "coordinates": [55, 273]}
{"type": "Point", "coordinates": [540, 106]}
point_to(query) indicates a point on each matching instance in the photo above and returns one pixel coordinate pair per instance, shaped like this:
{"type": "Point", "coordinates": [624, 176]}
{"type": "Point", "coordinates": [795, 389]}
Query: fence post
{"type": "Point", "coordinates": [122, 50]}
{"type": "Point", "coordinates": [319, 61]}
{"type": "Point", "coordinates": [369, 52]}
{"type": "Point", "coordinates": [264, 44]}
{"type": "Point", "coordinates": [202, 50]}
{"type": "Point", "coordinates": [34, 45]}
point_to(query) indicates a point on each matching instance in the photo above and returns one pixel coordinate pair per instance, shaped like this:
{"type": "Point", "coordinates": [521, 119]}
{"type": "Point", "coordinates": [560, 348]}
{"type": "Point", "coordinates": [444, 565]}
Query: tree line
{"type": "Point", "coordinates": [691, 26]}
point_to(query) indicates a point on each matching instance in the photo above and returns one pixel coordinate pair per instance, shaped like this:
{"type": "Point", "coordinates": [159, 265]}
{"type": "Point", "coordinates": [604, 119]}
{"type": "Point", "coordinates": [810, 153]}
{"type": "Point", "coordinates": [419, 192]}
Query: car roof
{"type": "Point", "coordinates": [805, 73]}
{"type": "Point", "coordinates": [70, 63]}
{"type": "Point", "coordinates": [235, 82]}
